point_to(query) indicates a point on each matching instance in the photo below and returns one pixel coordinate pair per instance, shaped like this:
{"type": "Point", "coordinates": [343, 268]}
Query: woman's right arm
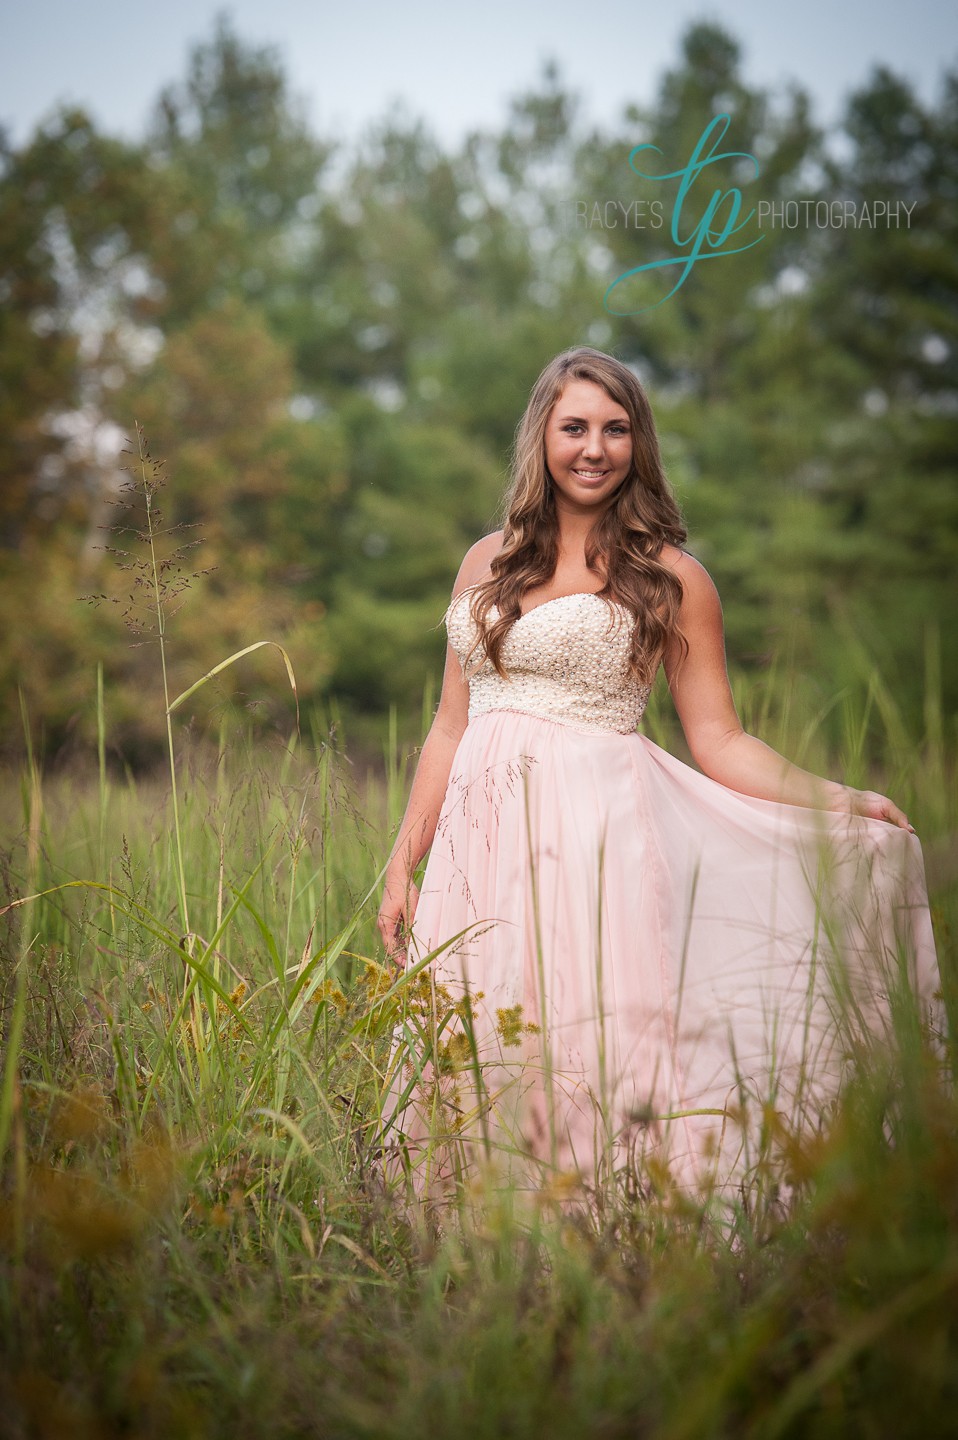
{"type": "Point", "coordinates": [422, 812]}
{"type": "Point", "coordinates": [419, 823]}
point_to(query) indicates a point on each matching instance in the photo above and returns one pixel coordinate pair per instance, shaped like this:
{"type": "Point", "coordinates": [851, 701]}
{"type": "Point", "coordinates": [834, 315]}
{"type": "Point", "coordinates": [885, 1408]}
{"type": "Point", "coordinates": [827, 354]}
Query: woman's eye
{"type": "Point", "coordinates": [617, 429]}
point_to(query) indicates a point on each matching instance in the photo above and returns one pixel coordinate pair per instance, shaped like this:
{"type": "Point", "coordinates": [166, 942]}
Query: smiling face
{"type": "Point", "coordinates": [588, 442]}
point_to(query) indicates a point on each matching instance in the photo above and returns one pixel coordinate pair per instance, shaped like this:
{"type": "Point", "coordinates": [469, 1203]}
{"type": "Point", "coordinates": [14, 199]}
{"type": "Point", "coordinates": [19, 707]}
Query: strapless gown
{"type": "Point", "coordinates": [628, 957]}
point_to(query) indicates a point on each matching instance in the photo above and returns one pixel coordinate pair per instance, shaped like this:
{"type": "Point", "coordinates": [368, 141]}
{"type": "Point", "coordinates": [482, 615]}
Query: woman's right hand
{"type": "Point", "coordinates": [396, 914]}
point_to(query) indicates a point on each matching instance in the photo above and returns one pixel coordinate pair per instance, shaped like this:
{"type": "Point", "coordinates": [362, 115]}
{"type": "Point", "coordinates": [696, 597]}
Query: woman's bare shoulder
{"type": "Point", "coordinates": [477, 560]}
{"type": "Point", "coordinates": [701, 602]}
{"type": "Point", "coordinates": [690, 571]}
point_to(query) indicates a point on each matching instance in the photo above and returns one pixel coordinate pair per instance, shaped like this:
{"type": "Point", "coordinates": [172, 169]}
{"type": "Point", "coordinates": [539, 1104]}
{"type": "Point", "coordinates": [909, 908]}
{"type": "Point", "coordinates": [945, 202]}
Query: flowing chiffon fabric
{"type": "Point", "coordinates": [652, 961]}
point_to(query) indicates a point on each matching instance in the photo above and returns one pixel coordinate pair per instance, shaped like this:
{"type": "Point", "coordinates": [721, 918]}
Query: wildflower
{"type": "Point", "coordinates": [511, 1027]}
{"type": "Point", "coordinates": [376, 980]}
{"type": "Point", "coordinates": [464, 1007]}
{"type": "Point", "coordinates": [329, 993]}
{"type": "Point", "coordinates": [454, 1053]}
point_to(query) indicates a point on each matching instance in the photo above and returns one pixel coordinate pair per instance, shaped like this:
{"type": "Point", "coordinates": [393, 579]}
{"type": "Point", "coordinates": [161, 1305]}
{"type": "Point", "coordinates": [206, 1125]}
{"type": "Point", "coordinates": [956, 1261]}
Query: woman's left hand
{"type": "Point", "coordinates": [872, 805]}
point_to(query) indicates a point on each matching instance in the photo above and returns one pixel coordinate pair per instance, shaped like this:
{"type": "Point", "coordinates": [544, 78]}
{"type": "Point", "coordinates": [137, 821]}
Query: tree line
{"type": "Point", "coordinates": [330, 347]}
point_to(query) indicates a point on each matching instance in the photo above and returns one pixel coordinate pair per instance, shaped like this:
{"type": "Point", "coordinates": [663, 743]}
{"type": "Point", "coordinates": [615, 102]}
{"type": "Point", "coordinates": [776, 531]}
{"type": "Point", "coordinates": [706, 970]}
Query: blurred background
{"type": "Point", "coordinates": [321, 259]}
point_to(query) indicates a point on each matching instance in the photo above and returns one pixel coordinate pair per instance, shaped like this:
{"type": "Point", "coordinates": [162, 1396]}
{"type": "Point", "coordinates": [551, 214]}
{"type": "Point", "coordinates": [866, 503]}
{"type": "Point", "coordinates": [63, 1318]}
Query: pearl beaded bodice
{"type": "Point", "coordinates": [566, 660]}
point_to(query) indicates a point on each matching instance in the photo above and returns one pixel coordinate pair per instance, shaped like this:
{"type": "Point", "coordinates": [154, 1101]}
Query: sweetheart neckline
{"type": "Point", "coordinates": [572, 595]}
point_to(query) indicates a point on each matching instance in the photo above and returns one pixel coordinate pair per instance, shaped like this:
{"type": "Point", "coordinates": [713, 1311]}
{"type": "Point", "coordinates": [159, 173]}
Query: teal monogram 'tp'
{"type": "Point", "coordinates": [703, 235]}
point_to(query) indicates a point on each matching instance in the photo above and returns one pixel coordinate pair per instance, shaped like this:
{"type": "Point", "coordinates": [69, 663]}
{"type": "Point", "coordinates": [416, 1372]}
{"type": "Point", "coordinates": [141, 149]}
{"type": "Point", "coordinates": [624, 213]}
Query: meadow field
{"type": "Point", "coordinates": [197, 1235]}
{"type": "Point", "coordinates": [331, 340]}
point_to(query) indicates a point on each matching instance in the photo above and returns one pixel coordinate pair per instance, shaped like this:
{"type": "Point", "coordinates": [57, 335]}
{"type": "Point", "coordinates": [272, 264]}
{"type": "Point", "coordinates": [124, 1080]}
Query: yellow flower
{"type": "Point", "coordinates": [454, 1053]}
{"type": "Point", "coordinates": [329, 993]}
{"type": "Point", "coordinates": [511, 1027]}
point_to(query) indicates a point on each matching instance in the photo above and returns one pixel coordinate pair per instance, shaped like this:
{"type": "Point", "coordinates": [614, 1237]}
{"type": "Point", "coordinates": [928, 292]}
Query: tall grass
{"type": "Point", "coordinates": [197, 1236]}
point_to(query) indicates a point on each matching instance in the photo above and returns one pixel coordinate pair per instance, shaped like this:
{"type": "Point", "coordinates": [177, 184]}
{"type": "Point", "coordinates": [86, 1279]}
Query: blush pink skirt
{"type": "Point", "coordinates": [633, 963]}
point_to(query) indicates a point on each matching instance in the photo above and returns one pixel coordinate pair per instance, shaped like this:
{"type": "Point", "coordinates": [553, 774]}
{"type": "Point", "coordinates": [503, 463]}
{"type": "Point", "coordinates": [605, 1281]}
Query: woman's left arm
{"type": "Point", "coordinates": [720, 747]}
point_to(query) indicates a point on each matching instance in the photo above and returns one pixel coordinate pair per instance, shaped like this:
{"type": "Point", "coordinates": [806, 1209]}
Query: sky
{"type": "Point", "coordinates": [454, 66]}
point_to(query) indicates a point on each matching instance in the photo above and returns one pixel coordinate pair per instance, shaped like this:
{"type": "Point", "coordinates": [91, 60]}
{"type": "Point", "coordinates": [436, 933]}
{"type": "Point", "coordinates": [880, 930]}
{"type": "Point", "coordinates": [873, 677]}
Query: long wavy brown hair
{"type": "Point", "coordinates": [642, 516]}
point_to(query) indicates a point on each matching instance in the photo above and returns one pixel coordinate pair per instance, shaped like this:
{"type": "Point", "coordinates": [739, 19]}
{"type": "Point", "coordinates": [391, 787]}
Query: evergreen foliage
{"type": "Point", "coordinates": [332, 346]}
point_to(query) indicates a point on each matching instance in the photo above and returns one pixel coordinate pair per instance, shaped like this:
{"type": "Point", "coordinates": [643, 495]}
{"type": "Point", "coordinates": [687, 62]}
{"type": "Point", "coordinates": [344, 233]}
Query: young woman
{"type": "Point", "coordinates": [650, 953]}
